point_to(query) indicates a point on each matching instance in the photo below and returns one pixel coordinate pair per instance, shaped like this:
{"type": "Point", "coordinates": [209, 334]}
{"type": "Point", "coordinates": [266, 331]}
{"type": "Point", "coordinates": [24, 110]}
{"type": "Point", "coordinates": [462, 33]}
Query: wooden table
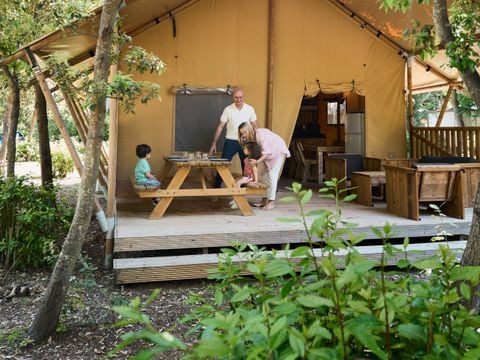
{"type": "Point", "coordinates": [321, 152]}
{"type": "Point", "coordinates": [364, 181]}
{"type": "Point", "coordinates": [182, 170]}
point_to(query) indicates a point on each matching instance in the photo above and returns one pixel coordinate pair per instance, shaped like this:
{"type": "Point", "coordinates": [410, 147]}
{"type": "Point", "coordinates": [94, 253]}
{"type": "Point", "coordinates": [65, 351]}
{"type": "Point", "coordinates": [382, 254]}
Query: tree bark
{"type": "Point", "coordinates": [43, 138]}
{"type": "Point", "coordinates": [13, 115]}
{"type": "Point", "coordinates": [472, 82]}
{"type": "Point", "coordinates": [443, 29]}
{"type": "Point", "coordinates": [47, 317]}
{"type": "Point", "coordinates": [456, 109]}
{"type": "Point", "coordinates": [3, 147]}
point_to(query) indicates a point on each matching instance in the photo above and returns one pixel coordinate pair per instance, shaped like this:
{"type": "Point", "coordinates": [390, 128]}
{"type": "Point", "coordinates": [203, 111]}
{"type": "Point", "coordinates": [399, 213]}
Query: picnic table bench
{"type": "Point", "coordinates": [183, 168]}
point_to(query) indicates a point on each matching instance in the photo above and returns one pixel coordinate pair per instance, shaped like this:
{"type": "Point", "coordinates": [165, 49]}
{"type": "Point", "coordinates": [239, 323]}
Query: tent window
{"type": "Point", "coordinates": [197, 115]}
{"type": "Point", "coordinates": [336, 111]}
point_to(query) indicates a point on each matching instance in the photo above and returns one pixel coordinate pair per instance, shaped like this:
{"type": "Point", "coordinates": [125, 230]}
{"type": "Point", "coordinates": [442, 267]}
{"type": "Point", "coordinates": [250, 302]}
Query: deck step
{"type": "Point", "coordinates": [167, 268]}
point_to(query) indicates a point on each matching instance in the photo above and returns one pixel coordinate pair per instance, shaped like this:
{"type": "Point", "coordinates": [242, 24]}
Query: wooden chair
{"type": "Point", "coordinates": [407, 188]}
{"type": "Point", "coordinates": [306, 171]}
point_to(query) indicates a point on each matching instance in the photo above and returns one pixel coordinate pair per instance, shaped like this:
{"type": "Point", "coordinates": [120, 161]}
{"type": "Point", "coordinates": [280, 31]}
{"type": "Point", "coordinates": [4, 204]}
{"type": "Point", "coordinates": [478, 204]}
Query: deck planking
{"type": "Point", "coordinates": [167, 268]}
{"type": "Point", "coordinates": [199, 223]}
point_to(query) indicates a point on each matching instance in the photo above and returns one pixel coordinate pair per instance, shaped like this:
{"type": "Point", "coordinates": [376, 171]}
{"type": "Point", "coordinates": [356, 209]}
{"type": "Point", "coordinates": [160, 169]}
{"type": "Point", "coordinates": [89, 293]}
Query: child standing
{"type": "Point", "coordinates": [143, 175]}
{"type": "Point", "coordinates": [250, 172]}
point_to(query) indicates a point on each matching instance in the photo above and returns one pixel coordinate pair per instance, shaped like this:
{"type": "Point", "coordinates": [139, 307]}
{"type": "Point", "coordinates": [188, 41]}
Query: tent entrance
{"type": "Point", "coordinates": [331, 120]}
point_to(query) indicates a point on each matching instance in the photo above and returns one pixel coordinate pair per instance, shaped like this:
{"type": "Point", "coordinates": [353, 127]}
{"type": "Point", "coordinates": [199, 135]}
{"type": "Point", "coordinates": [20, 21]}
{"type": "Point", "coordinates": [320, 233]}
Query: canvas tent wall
{"type": "Point", "coordinates": [226, 42]}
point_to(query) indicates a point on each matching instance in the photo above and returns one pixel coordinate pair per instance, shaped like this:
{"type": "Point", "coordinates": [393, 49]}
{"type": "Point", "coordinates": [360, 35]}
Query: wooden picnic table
{"type": "Point", "coordinates": [321, 152]}
{"type": "Point", "coordinates": [183, 167]}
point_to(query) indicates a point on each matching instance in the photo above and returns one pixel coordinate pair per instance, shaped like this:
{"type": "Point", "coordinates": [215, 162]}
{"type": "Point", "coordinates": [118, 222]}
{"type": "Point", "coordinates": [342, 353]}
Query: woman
{"type": "Point", "coordinates": [274, 151]}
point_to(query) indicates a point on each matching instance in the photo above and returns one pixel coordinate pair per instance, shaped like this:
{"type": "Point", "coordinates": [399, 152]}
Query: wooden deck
{"type": "Point", "coordinates": [185, 241]}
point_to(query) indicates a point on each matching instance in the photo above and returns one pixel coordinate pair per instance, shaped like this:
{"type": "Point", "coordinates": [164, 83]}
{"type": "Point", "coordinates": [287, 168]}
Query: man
{"type": "Point", "coordinates": [233, 115]}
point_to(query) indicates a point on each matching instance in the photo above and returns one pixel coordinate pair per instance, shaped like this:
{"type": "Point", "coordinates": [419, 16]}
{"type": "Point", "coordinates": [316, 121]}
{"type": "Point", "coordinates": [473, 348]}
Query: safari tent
{"type": "Point", "coordinates": [277, 51]}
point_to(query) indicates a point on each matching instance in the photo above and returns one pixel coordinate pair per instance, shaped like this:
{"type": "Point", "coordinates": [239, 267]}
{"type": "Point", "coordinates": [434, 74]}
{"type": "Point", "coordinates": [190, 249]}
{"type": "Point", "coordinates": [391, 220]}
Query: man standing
{"type": "Point", "coordinates": [233, 115]}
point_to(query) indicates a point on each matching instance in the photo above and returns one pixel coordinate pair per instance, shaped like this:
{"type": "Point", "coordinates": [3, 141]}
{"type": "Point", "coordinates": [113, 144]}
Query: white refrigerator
{"type": "Point", "coordinates": [355, 134]}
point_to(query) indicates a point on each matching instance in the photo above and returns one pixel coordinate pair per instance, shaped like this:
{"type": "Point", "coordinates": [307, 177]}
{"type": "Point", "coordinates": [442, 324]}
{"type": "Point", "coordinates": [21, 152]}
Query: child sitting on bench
{"type": "Point", "coordinates": [250, 172]}
{"type": "Point", "coordinates": [143, 175]}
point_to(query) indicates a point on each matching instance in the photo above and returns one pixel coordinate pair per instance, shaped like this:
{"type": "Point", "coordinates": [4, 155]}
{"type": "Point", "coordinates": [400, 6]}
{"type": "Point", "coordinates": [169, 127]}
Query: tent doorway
{"type": "Point", "coordinates": [329, 120]}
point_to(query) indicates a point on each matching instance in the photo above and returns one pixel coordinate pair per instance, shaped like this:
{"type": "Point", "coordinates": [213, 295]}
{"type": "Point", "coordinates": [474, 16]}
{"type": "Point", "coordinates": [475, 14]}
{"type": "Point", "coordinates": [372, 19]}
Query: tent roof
{"type": "Point", "coordinates": [78, 42]}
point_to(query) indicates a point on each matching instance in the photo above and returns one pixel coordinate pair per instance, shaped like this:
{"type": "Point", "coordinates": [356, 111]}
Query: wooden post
{"type": "Point", "coordinates": [271, 63]}
{"type": "Point", "coordinates": [410, 102]}
{"type": "Point", "coordinates": [112, 171]}
{"type": "Point", "coordinates": [339, 125]}
{"type": "Point", "coordinates": [444, 106]}
{"type": "Point", "coordinates": [75, 117]}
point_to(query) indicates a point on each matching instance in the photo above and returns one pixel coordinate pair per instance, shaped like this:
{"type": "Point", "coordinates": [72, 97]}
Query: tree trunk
{"type": "Point", "coordinates": [3, 147]}
{"type": "Point", "coordinates": [43, 138]}
{"type": "Point", "coordinates": [47, 317]}
{"type": "Point", "coordinates": [13, 115]}
{"type": "Point", "coordinates": [456, 109]}
{"type": "Point", "coordinates": [471, 255]}
{"type": "Point", "coordinates": [443, 29]}
{"type": "Point", "coordinates": [472, 83]}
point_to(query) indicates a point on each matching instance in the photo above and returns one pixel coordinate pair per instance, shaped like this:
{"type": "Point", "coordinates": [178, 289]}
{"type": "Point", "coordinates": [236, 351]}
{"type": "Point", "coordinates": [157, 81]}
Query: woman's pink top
{"type": "Point", "coordinates": [270, 144]}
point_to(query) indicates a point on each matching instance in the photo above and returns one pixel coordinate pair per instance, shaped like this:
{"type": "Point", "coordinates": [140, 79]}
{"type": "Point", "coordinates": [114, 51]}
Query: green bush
{"type": "Point", "coordinates": [27, 151]}
{"type": "Point", "coordinates": [326, 301]}
{"type": "Point", "coordinates": [62, 165]}
{"type": "Point", "coordinates": [30, 225]}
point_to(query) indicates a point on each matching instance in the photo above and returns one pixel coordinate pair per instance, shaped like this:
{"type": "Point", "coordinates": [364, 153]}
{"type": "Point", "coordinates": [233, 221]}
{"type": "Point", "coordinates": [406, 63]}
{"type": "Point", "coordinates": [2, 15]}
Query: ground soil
{"type": "Point", "coordinates": [85, 330]}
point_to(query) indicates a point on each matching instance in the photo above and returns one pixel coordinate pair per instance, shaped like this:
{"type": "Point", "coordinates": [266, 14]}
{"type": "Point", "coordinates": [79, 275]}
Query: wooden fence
{"type": "Point", "coordinates": [446, 141]}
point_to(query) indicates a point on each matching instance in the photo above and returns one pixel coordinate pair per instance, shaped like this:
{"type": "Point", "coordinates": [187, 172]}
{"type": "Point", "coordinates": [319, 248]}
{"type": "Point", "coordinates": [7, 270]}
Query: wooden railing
{"type": "Point", "coordinates": [446, 141]}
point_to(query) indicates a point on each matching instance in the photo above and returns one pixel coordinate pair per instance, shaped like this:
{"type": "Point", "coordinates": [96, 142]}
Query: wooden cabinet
{"type": "Point", "coordinates": [355, 103]}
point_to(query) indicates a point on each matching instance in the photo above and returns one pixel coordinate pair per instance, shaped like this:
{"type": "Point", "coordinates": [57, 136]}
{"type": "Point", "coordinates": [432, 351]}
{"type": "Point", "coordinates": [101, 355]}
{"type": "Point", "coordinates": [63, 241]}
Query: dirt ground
{"type": "Point", "coordinates": [85, 331]}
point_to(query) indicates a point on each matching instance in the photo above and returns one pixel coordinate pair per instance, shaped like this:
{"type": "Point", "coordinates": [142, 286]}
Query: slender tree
{"type": "Point", "coordinates": [43, 138]}
{"type": "Point", "coordinates": [13, 115]}
{"type": "Point", "coordinates": [47, 317]}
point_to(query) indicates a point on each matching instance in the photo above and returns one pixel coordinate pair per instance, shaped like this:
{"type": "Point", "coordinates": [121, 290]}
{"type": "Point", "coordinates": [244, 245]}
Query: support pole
{"type": "Point", "coordinates": [112, 171]}
{"type": "Point", "coordinates": [410, 102]}
{"type": "Point", "coordinates": [444, 106]}
{"type": "Point", "coordinates": [271, 63]}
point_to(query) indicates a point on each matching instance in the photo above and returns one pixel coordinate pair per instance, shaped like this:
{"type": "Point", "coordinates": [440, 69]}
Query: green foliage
{"type": "Point", "coordinates": [27, 151]}
{"type": "Point", "coordinates": [54, 132]}
{"type": "Point", "coordinates": [425, 103]}
{"type": "Point", "coordinates": [16, 338]}
{"type": "Point", "coordinates": [122, 86]}
{"type": "Point", "coordinates": [62, 165]}
{"type": "Point", "coordinates": [30, 225]}
{"type": "Point", "coordinates": [326, 301]}
{"type": "Point", "coordinates": [465, 22]}
{"type": "Point", "coordinates": [134, 314]}
{"type": "Point", "coordinates": [467, 106]}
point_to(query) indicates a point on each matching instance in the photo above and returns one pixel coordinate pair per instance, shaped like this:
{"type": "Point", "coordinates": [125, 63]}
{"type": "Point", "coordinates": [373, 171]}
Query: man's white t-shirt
{"type": "Point", "coordinates": [234, 117]}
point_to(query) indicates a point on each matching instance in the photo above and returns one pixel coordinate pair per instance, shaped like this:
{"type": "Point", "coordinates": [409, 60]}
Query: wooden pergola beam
{"type": "Point", "coordinates": [444, 106]}
{"type": "Point", "coordinates": [456, 84]}
{"type": "Point", "coordinates": [433, 70]}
